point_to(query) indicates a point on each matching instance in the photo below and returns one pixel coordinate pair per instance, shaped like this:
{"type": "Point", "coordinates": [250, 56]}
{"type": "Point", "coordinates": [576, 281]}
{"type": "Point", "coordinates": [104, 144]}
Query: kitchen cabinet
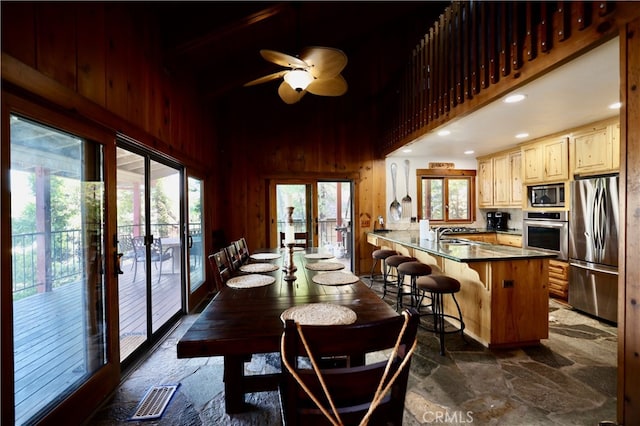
{"type": "Point", "coordinates": [546, 160]}
{"type": "Point", "coordinates": [509, 240]}
{"type": "Point", "coordinates": [489, 237]}
{"type": "Point", "coordinates": [596, 149]}
{"type": "Point", "coordinates": [500, 180]}
{"type": "Point", "coordinates": [559, 279]}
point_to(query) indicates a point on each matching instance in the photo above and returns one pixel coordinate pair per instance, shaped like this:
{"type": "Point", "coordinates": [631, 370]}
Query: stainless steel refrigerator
{"type": "Point", "coordinates": [593, 246]}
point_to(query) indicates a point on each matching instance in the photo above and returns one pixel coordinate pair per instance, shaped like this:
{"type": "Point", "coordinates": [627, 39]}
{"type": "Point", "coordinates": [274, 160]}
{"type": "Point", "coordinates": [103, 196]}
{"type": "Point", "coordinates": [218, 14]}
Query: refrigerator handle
{"type": "Point", "coordinates": [594, 269]}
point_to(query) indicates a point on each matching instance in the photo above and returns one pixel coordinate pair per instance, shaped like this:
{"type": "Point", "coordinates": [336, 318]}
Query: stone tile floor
{"type": "Point", "coordinates": [570, 379]}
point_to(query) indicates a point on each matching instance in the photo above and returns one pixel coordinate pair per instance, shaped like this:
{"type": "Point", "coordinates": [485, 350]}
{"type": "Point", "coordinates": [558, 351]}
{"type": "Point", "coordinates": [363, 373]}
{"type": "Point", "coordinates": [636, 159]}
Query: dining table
{"type": "Point", "coordinates": [240, 322]}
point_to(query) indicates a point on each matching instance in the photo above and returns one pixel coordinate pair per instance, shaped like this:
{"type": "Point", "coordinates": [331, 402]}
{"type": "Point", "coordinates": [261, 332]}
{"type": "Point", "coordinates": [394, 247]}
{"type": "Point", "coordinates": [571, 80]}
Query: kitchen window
{"type": "Point", "coordinates": [446, 195]}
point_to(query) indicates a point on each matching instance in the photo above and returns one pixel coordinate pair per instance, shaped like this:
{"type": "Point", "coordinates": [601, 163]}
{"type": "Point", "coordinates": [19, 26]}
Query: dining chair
{"type": "Point", "coordinates": [374, 391]}
{"type": "Point", "coordinates": [243, 250]}
{"type": "Point", "coordinates": [221, 268]}
{"type": "Point", "coordinates": [233, 256]}
{"type": "Point", "coordinates": [158, 255]}
{"type": "Point", "coordinates": [301, 239]}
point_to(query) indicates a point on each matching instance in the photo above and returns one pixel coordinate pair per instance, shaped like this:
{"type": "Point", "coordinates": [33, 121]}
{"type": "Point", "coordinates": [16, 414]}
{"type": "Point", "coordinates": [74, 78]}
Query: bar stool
{"type": "Point", "coordinates": [381, 255]}
{"type": "Point", "coordinates": [438, 286]}
{"type": "Point", "coordinates": [414, 270]}
{"type": "Point", "coordinates": [394, 262]}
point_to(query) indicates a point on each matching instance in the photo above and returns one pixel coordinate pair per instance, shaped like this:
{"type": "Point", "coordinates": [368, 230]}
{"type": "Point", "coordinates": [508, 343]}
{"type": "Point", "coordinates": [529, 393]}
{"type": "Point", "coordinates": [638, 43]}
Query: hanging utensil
{"type": "Point", "coordinates": [406, 201]}
{"type": "Point", "coordinates": [395, 210]}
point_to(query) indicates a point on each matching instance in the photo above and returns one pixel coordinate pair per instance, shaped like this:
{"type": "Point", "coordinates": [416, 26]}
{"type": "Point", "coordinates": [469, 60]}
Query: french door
{"type": "Point", "coordinates": [58, 289]}
{"type": "Point", "coordinates": [323, 209]}
{"type": "Point", "coordinates": [150, 244]}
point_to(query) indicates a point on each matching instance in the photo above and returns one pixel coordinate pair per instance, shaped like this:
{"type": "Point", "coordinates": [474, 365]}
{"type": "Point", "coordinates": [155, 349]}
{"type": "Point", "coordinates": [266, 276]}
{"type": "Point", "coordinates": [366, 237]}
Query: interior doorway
{"type": "Point", "coordinates": [323, 209]}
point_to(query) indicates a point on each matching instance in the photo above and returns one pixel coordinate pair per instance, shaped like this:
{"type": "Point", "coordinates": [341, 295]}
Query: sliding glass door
{"type": "Point", "coordinates": [57, 263]}
{"type": "Point", "coordinates": [150, 244]}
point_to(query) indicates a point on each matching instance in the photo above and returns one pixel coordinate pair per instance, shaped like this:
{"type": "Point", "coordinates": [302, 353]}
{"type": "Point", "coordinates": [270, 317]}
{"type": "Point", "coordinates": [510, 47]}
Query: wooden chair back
{"type": "Point", "coordinates": [243, 250]}
{"type": "Point", "coordinates": [351, 386]}
{"type": "Point", "coordinates": [302, 239]}
{"type": "Point", "coordinates": [221, 268]}
{"type": "Point", "coordinates": [233, 256]}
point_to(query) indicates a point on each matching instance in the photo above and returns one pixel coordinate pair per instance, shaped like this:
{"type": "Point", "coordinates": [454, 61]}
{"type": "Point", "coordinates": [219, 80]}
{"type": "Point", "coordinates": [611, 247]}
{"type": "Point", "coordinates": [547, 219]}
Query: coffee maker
{"type": "Point", "coordinates": [497, 221]}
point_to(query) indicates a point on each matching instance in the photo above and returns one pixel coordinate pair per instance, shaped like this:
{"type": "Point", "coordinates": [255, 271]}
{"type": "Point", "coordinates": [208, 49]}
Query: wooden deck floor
{"type": "Point", "coordinates": [52, 353]}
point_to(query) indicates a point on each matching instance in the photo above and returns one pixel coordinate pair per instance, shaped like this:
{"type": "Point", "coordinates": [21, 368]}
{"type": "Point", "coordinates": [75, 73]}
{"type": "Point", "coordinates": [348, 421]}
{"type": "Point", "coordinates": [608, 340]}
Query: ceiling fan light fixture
{"type": "Point", "coordinates": [298, 79]}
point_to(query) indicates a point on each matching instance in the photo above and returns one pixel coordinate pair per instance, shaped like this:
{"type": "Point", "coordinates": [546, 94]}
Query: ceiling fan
{"type": "Point", "coordinates": [316, 70]}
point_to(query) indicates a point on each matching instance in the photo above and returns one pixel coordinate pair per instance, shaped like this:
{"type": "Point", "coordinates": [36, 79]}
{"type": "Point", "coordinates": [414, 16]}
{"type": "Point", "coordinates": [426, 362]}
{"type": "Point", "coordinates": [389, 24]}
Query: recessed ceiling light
{"type": "Point", "coordinates": [444, 133]}
{"type": "Point", "coordinates": [616, 105]}
{"type": "Point", "coordinates": [522, 135]}
{"type": "Point", "coordinates": [512, 99]}
{"type": "Point", "coordinates": [469, 151]}
{"type": "Point", "coordinates": [407, 150]}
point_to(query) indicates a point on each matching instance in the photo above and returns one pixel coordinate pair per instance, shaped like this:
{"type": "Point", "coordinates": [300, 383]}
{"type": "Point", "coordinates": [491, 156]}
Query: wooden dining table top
{"type": "Point", "coordinates": [248, 321]}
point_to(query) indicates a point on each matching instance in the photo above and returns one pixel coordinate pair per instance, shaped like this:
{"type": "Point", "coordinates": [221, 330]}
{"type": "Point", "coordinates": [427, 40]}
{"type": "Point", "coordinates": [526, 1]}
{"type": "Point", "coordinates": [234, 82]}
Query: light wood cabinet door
{"type": "Point", "coordinates": [556, 159]}
{"type": "Point", "coordinates": [592, 151]}
{"type": "Point", "coordinates": [515, 174]}
{"type": "Point", "coordinates": [485, 183]}
{"type": "Point", "coordinates": [509, 240]}
{"type": "Point", "coordinates": [532, 157]}
{"type": "Point", "coordinates": [501, 181]}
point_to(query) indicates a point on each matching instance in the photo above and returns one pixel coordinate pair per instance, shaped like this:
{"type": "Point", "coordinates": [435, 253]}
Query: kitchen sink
{"type": "Point", "coordinates": [457, 241]}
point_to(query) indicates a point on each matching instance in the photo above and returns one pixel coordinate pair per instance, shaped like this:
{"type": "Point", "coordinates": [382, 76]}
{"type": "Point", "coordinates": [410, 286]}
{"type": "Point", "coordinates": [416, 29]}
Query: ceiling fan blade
{"type": "Point", "coordinates": [282, 59]}
{"type": "Point", "coordinates": [288, 94]}
{"type": "Point", "coordinates": [324, 62]}
{"type": "Point", "coordinates": [336, 86]}
{"type": "Point", "coordinates": [266, 78]}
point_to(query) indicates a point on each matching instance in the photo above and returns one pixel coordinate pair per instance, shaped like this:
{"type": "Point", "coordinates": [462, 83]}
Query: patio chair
{"type": "Point", "coordinates": [158, 255]}
{"type": "Point", "coordinates": [354, 390]}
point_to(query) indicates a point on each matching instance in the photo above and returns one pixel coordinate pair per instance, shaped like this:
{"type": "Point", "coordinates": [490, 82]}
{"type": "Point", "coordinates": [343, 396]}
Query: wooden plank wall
{"type": "Point", "coordinates": [108, 55]}
{"type": "Point", "coordinates": [478, 51]}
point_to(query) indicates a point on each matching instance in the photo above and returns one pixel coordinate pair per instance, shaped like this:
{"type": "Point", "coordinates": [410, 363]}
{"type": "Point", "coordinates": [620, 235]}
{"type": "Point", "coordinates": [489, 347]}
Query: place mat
{"type": "Point", "coordinates": [250, 281]}
{"type": "Point", "coordinates": [324, 266]}
{"type": "Point", "coordinates": [265, 256]}
{"type": "Point", "coordinates": [253, 268]}
{"type": "Point", "coordinates": [320, 314]}
{"type": "Point", "coordinates": [335, 278]}
{"type": "Point", "coordinates": [318, 256]}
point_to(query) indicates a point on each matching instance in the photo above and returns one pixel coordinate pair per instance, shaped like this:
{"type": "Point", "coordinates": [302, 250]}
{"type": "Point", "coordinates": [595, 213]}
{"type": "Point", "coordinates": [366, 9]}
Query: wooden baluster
{"type": "Point", "coordinates": [562, 21]}
{"type": "Point", "coordinates": [475, 41]}
{"type": "Point", "coordinates": [446, 59]}
{"type": "Point", "coordinates": [465, 24]}
{"type": "Point", "coordinates": [530, 42]}
{"type": "Point", "coordinates": [458, 52]}
{"type": "Point", "coordinates": [483, 54]}
{"type": "Point", "coordinates": [439, 67]}
{"type": "Point", "coordinates": [431, 93]}
{"type": "Point", "coordinates": [505, 20]}
{"type": "Point", "coordinates": [415, 112]}
{"type": "Point", "coordinates": [582, 14]}
{"type": "Point", "coordinates": [517, 18]}
{"type": "Point", "coordinates": [493, 22]}
{"type": "Point", "coordinates": [423, 81]}
{"type": "Point", "coordinates": [544, 27]}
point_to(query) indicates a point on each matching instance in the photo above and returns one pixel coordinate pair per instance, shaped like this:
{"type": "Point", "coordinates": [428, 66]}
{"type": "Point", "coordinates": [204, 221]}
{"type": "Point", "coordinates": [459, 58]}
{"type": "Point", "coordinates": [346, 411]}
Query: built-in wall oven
{"type": "Point", "coordinates": [548, 231]}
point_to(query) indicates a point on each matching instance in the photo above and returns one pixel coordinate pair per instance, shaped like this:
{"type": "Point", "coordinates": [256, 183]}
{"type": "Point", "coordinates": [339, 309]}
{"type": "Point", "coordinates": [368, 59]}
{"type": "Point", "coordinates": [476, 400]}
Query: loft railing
{"type": "Point", "coordinates": [35, 270]}
{"type": "Point", "coordinates": [477, 45]}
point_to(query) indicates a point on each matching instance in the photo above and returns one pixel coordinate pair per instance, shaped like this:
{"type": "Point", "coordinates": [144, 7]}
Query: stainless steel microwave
{"type": "Point", "coordinates": [546, 195]}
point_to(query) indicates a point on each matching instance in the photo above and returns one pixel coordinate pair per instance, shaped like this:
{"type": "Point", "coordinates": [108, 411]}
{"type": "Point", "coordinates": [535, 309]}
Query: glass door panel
{"type": "Point", "coordinates": [165, 246]}
{"type": "Point", "coordinates": [195, 242]}
{"type": "Point", "coordinates": [294, 195]}
{"type": "Point", "coordinates": [335, 231]}
{"type": "Point", "coordinates": [131, 244]}
{"type": "Point", "coordinates": [57, 219]}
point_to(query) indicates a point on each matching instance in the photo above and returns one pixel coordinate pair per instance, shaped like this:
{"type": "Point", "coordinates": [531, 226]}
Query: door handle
{"type": "Point", "coordinates": [116, 263]}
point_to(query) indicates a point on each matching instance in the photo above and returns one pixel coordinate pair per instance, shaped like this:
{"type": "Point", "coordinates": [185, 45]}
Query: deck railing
{"type": "Point", "coordinates": [42, 263]}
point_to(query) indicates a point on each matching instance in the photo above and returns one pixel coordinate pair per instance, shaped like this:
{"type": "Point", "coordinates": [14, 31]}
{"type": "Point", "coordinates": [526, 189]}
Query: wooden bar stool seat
{"type": "Point", "coordinates": [414, 270]}
{"type": "Point", "coordinates": [381, 255]}
{"type": "Point", "coordinates": [438, 286]}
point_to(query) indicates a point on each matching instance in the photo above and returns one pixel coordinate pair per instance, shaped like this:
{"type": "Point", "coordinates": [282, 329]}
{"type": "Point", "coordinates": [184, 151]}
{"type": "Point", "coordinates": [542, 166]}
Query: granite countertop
{"type": "Point", "coordinates": [465, 250]}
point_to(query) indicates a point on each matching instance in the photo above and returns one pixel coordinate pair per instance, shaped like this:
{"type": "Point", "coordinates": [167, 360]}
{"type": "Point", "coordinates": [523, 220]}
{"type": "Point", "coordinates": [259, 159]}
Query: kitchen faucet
{"type": "Point", "coordinates": [440, 232]}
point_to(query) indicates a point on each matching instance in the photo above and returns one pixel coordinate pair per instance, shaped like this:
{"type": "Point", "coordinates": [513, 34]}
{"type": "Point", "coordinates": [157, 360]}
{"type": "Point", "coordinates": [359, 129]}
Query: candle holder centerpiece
{"type": "Point", "coordinates": [289, 242]}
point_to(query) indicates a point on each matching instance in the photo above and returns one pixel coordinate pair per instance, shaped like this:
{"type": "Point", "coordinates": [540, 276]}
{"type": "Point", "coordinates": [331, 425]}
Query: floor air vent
{"type": "Point", "coordinates": [154, 402]}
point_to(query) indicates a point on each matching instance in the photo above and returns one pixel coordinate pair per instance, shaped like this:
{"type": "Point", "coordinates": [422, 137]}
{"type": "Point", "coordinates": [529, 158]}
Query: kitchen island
{"type": "Point", "coordinates": [504, 296]}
